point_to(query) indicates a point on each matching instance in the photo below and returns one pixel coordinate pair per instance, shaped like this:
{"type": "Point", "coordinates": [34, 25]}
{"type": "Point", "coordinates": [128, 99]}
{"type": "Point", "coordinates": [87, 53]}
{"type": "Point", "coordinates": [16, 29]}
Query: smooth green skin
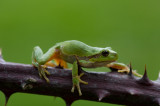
{"type": "Point", "coordinates": [74, 52]}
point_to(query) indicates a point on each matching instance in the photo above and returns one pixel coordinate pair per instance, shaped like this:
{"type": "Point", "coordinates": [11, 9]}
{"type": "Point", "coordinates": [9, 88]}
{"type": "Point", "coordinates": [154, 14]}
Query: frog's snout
{"type": "Point", "coordinates": [114, 55]}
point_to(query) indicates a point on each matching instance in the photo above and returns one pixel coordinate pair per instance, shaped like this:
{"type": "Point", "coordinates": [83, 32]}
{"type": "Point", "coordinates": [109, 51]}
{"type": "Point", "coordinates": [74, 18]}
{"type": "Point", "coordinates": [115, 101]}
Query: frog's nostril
{"type": "Point", "coordinates": [115, 55]}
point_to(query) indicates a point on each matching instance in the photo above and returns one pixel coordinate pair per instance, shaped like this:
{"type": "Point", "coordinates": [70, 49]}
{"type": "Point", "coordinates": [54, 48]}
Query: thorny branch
{"type": "Point", "coordinates": [111, 87]}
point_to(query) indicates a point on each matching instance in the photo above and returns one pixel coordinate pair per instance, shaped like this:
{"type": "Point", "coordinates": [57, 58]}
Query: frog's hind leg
{"type": "Point", "coordinates": [38, 61]}
{"type": "Point", "coordinates": [122, 68]}
{"type": "Point", "coordinates": [50, 63]}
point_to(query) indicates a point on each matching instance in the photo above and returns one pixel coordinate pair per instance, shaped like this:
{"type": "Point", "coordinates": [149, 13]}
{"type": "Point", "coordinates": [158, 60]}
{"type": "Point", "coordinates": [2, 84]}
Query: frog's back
{"type": "Point", "coordinates": [74, 47]}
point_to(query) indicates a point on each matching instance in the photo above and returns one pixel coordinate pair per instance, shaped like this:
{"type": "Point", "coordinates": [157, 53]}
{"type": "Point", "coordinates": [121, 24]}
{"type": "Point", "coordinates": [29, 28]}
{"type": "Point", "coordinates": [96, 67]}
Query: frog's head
{"type": "Point", "coordinates": [104, 55]}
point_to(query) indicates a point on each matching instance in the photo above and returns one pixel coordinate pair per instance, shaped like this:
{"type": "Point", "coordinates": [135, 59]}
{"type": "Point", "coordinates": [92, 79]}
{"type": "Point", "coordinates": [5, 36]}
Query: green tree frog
{"type": "Point", "coordinates": [75, 52]}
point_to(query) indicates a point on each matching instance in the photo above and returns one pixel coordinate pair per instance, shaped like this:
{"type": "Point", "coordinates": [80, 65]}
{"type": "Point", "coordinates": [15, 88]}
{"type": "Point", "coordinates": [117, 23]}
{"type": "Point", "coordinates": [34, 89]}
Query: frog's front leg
{"type": "Point", "coordinates": [76, 79]}
{"type": "Point", "coordinates": [122, 68]}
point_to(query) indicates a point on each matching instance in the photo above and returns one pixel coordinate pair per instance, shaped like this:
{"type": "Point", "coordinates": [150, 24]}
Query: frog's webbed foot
{"type": "Point", "coordinates": [76, 81]}
{"type": "Point", "coordinates": [42, 71]}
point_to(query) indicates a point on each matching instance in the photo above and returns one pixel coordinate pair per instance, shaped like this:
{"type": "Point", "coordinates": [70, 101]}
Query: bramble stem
{"type": "Point", "coordinates": [111, 87]}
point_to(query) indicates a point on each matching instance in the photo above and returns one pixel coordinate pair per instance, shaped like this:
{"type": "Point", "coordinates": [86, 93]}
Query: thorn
{"type": "Point", "coordinates": [69, 101]}
{"type": "Point", "coordinates": [7, 95]}
{"type": "Point", "coordinates": [145, 76]}
{"type": "Point", "coordinates": [130, 70]}
{"type": "Point", "coordinates": [145, 73]}
{"type": "Point", "coordinates": [59, 66]}
{"type": "Point", "coordinates": [7, 98]}
{"type": "Point", "coordinates": [102, 94]}
{"type": "Point", "coordinates": [145, 80]}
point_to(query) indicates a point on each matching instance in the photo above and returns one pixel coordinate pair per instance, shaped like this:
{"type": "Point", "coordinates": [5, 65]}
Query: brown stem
{"type": "Point", "coordinates": [111, 87]}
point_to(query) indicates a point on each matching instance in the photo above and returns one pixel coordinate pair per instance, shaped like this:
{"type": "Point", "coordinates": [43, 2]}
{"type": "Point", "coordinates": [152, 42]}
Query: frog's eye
{"type": "Point", "coordinates": [105, 53]}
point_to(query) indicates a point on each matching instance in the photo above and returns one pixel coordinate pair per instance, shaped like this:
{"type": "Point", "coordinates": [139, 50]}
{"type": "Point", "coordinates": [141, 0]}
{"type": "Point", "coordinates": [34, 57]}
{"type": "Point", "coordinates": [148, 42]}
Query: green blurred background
{"type": "Point", "coordinates": [132, 28]}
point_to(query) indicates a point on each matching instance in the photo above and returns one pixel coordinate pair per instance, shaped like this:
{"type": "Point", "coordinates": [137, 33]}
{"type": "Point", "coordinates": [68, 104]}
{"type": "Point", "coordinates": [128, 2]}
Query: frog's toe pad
{"type": "Point", "coordinates": [73, 87]}
{"type": "Point", "coordinates": [78, 88]}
